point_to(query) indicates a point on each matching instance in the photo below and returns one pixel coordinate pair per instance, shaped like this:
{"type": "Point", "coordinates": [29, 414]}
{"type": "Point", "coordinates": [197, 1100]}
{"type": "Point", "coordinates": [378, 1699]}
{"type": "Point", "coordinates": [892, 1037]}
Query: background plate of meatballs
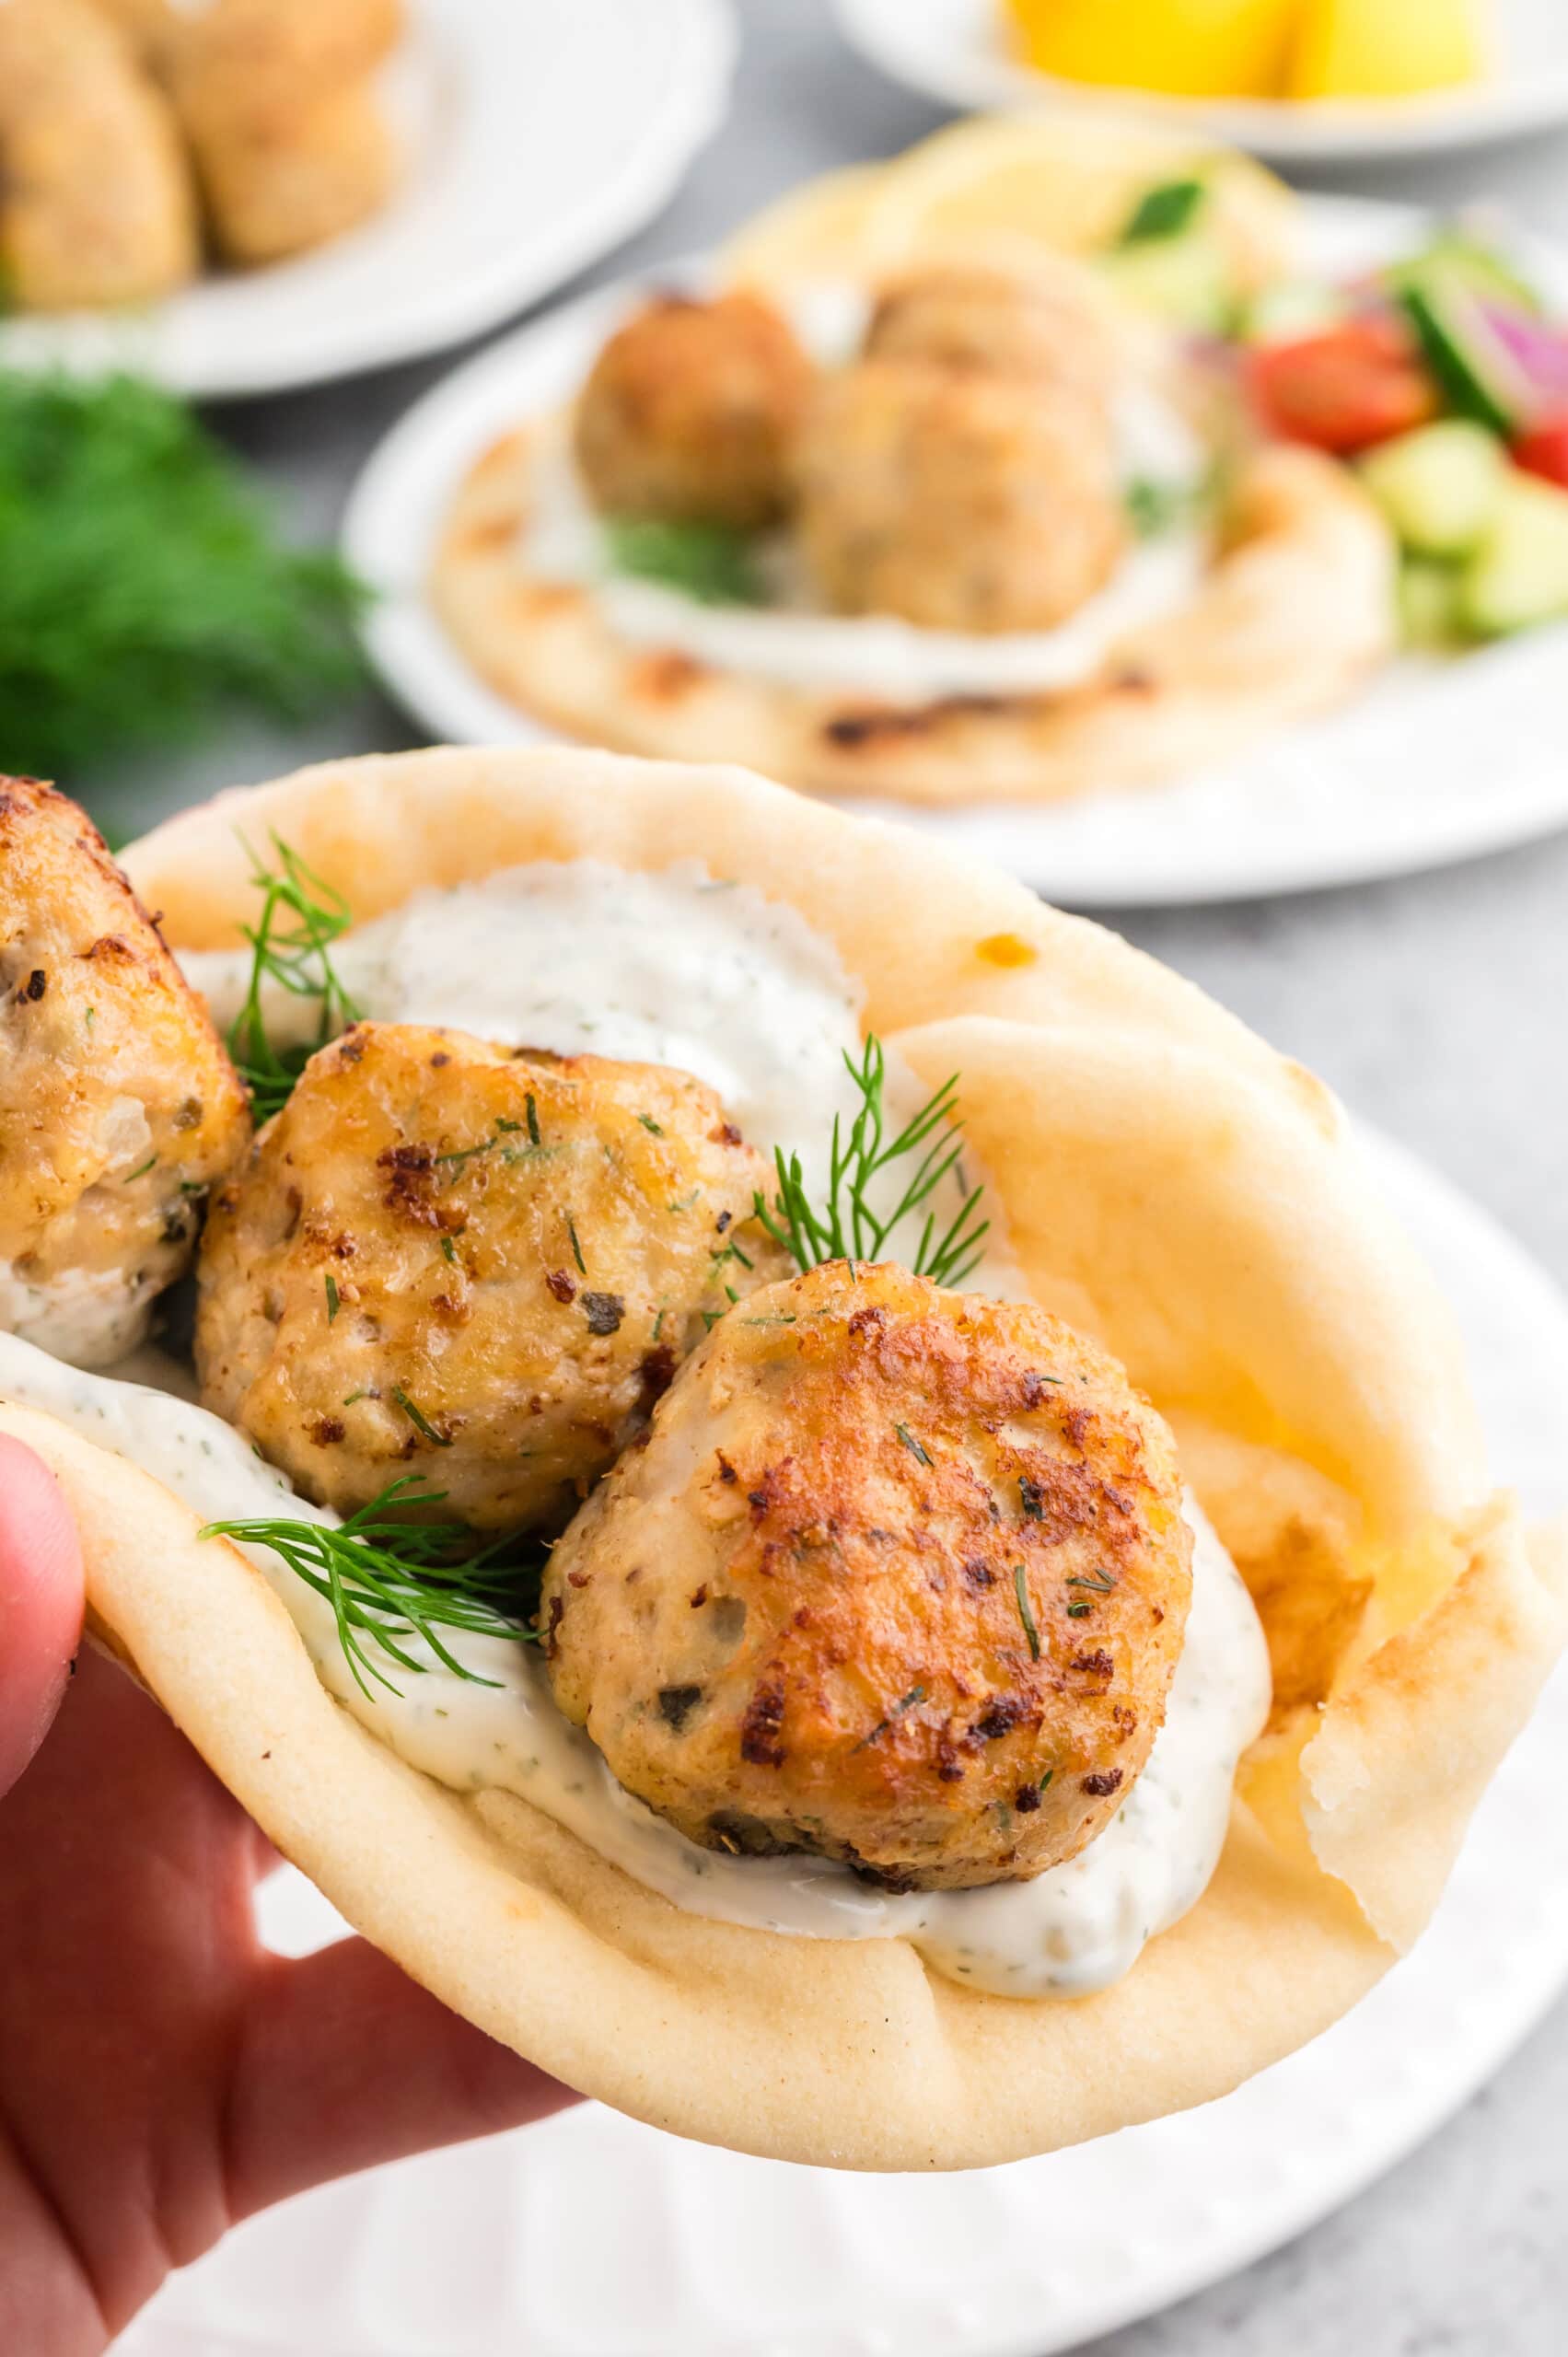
{"type": "Point", "coordinates": [253, 194]}
{"type": "Point", "coordinates": [958, 527]}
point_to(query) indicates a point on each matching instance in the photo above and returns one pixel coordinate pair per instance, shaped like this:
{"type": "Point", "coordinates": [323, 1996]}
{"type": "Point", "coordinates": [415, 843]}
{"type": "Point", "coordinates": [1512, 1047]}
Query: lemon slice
{"type": "Point", "coordinates": [812, 232]}
{"type": "Point", "coordinates": [1067, 181]}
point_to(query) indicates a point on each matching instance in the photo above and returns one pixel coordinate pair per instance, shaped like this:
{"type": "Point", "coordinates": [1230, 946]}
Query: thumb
{"type": "Point", "coordinates": [41, 1603]}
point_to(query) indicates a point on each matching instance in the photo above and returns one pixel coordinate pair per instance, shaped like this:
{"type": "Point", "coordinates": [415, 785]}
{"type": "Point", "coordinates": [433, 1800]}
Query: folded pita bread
{"type": "Point", "coordinates": [1171, 1185]}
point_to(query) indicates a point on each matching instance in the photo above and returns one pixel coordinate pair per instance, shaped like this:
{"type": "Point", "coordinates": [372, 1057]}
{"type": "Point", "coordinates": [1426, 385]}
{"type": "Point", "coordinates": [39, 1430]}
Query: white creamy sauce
{"type": "Point", "coordinates": [1077, 1928]}
{"type": "Point", "coordinates": [90, 1316]}
{"type": "Point", "coordinates": [674, 968]}
{"type": "Point", "coordinates": [679, 968]}
{"type": "Point", "coordinates": [796, 643]}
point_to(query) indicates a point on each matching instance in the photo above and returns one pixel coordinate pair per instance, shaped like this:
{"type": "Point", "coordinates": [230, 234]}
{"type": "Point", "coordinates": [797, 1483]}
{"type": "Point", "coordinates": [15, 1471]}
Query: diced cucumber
{"type": "Point", "coordinates": [1185, 280]}
{"type": "Point", "coordinates": [1295, 307]}
{"type": "Point", "coordinates": [1428, 595]}
{"type": "Point", "coordinates": [1464, 261]}
{"type": "Point", "coordinates": [1439, 487]}
{"type": "Point", "coordinates": [1519, 575]}
{"type": "Point", "coordinates": [1475, 371]}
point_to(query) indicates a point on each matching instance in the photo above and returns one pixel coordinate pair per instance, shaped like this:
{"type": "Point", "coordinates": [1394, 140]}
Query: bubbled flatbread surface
{"type": "Point", "coordinates": [1171, 1185]}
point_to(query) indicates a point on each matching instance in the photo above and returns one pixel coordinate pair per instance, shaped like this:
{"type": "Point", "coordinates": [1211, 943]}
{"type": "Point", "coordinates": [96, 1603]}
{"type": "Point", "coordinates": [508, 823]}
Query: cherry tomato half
{"type": "Point", "coordinates": [1344, 388]}
{"type": "Point", "coordinates": [1544, 449]}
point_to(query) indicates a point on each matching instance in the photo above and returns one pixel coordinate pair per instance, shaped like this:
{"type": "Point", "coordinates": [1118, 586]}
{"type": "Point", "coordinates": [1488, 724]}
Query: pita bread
{"type": "Point", "coordinates": [1296, 607]}
{"type": "Point", "coordinates": [1174, 1187]}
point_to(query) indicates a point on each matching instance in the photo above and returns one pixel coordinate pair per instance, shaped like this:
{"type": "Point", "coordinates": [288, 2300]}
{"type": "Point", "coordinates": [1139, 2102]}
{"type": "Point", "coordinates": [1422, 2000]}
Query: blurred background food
{"type": "Point", "coordinates": [1446, 364]}
{"type": "Point", "coordinates": [145, 591]}
{"type": "Point", "coordinates": [132, 129]}
{"type": "Point", "coordinates": [1255, 49]}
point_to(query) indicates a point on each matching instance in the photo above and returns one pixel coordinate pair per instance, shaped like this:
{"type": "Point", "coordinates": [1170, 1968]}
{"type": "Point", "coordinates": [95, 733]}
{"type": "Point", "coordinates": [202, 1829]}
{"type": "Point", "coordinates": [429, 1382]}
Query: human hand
{"type": "Point", "coordinates": [161, 2074]}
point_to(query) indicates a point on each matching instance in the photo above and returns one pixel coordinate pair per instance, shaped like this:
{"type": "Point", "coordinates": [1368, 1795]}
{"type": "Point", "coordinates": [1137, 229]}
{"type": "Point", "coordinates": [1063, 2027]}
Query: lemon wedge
{"type": "Point", "coordinates": [1349, 49]}
{"type": "Point", "coordinates": [1191, 48]}
{"type": "Point", "coordinates": [1068, 181]}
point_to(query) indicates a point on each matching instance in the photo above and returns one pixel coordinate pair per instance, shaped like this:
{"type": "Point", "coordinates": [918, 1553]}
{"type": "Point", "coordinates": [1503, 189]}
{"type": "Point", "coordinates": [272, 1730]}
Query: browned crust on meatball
{"type": "Point", "coordinates": [691, 412]}
{"type": "Point", "coordinates": [958, 499]}
{"type": "Point", "coordinates": [1044, 324]}
{"type": "Point", "coordinates": [473, 1263]}
{"type": "Point", "coordinates": [900, 1577]}
{"type": "Point", "coordinates": [118, 1103]}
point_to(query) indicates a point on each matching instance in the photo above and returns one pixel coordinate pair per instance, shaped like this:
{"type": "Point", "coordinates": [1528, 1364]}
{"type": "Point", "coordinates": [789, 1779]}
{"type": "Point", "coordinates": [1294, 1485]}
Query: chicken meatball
{"type": "Point", "coordinates": [1042, 323]}
{"type": "Point", "coordinates": [118, 1105]}
{"type": "Point", "coordinates": [690, 414]}
{"type": "Point", "coordinates": [285, 123]}
{"type": "Point", "coordinates": [899, 1576]}
{"type": "Point", "coordinates": [958, 500]}
{"type": "Point", "coordinates": [97, 205]}
{"type": "Point", "coordinates": [472, 1263]}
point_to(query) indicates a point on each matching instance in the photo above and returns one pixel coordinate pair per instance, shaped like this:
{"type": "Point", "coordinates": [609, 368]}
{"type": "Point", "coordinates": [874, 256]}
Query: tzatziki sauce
{"type": "Point", "coordinates": [793, 640]}
{"type": "Point", "coordinates": [683, 967]}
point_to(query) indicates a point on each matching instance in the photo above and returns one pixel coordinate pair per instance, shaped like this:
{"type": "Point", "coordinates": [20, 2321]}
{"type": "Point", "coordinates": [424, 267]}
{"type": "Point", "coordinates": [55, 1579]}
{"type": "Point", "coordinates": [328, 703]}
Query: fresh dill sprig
{"type": "Point", "coordinates": [847, 1226]}
{"type": "Point", "coordinates": [144, 586]}
{"type": "Point", "coordinates": [390, 1580]}
{"type": "Point", "coordinates": [714, 563]}
{"type": "Point", "coordinates": [291, 944]}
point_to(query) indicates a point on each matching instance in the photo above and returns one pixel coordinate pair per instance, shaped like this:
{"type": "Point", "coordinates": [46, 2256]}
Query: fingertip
{"type": "Point", "coordinates": [41, 1603]}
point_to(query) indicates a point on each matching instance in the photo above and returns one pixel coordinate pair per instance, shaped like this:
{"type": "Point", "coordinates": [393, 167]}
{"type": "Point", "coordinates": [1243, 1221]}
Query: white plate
{"type": "Point", "coordinates": [1434, 764]}
{"type": "Point", "coordinates": [538, 135]}
{"type": "Point", "coordinates": [593, 2236]}
{"type": "Point", "coordinates": [954, 51]}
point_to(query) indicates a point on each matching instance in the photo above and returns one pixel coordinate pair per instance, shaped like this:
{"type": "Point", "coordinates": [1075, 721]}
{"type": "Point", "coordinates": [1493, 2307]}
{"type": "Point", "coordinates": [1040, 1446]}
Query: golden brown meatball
{"type": "Point", "coordinates": [691, 412]}
{"type": "Point", "coordinates": [118, 1105]}
{"type": "Point", "coordinates": [278, 101]}
{"type": "Point", "coordinates": [957, 500]}
{"type": "Point", "coordinates": [97, 205]}
{"type": "Point", "coordinates": [899, 1576]}
{"type": "Point", "coordinates": [1041, 323]}
{"type": "Point", "coordinates": [478, 1264]}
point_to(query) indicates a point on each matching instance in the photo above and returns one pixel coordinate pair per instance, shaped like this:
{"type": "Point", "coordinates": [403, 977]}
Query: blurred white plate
{"type": "Point", "coordinates": [593, 2236]}
{"type": "Point", "coordinates": [1433, 764]}
{"type": "Point", "coordinates": [956, 50]}
{"type": "Point", "coordinates": [537, 135]}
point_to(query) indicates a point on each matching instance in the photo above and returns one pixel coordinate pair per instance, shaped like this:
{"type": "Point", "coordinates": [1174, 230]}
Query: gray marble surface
{"type": "Point", "coordinates": [1437, 1004]}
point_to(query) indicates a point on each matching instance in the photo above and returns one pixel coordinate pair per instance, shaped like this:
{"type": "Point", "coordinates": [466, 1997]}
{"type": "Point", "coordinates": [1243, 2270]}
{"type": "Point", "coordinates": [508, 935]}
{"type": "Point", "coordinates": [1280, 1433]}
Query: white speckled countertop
{"type": "Point", "coordinates": [1438, 1004]}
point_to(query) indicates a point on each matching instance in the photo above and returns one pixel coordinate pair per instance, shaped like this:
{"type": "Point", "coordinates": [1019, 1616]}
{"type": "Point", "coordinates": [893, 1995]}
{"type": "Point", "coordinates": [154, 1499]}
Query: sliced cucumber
{"type": "Point", "coordinates": [1428, 603]}
{"type": "Point", "coordinates": [1476, 372]}
{"type": "Point", "coordinates": [1518, 576]}
{"type": "Point", "coordinates": [1440, 486]}
{"type": "Point", "coordinates": [1184, 279]}
{"type": "Point", "coordinates": [1465, 261]}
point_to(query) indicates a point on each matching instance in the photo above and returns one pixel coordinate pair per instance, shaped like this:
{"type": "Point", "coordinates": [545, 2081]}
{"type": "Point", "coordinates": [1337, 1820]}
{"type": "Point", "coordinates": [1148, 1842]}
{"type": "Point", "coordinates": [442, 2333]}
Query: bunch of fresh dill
{"type": "Point", "coordinates": [143, 583]}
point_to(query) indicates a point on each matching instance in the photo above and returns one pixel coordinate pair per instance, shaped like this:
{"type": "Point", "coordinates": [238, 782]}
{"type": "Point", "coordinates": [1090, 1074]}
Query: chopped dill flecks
{"type": "Point", "coordinates": [577, 1247]}
{"type": "Point", "coordinates": [908, 1441]}
{"type": "Point", "coordinates": [419, 1419]}
{"type": "Point", "coordinates": [1025, 1612]}
{"type": "Point", "coordinates": [916, 1694]}
{"type": "Point", "coordinates": [333, 1302]}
